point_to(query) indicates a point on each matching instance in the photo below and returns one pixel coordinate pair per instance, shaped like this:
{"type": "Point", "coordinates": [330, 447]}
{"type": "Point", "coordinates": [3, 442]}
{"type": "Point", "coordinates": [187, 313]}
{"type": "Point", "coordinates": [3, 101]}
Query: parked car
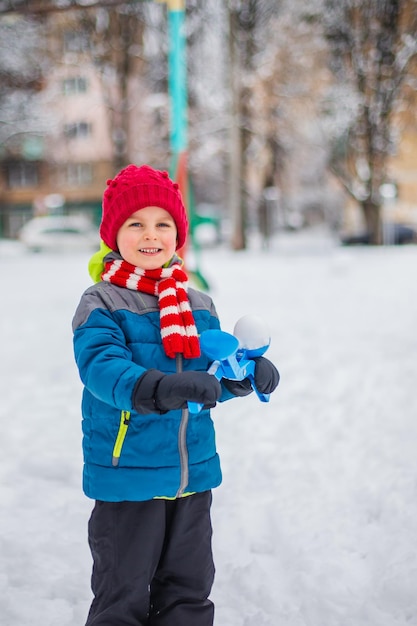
{"type": "Point", "coordinates": [59, 232]}
{"type": "Point", "coordinates": [394, 234]}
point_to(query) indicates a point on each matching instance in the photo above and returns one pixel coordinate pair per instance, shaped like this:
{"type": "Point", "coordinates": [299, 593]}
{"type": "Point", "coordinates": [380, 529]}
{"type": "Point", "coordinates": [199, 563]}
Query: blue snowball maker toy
{"type": "Point", "coordinates": [232, 355]}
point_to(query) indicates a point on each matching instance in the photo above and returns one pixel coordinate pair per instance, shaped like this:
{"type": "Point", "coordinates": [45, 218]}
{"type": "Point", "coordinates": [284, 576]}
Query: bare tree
{"type": "Point", "coordinates": [21, 78]}
{"type": "Point", "coordinates": [247, 23]}
{"type": "Point", "coordinates": [115, 35]}
{"type": "Point", "coordinates": [374, 47]}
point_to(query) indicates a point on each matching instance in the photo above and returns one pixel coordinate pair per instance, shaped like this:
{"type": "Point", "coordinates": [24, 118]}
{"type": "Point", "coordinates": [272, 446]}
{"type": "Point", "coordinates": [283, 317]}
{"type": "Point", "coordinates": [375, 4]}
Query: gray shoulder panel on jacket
{"type": "Point", "coordinates": [107, 296]}
{"type": "Point", "coordinates": [200, 300]}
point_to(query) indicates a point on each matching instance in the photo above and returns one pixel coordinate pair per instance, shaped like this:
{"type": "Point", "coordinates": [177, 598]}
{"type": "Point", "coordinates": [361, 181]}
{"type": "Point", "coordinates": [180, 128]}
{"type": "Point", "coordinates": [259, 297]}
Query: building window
{"type": "Point", "coordinates": [77, 130]}
{"type": "Point", "coordinates": [79, 174]}
{"type": "Point", "coordinates": [22, 174]}
{"type": "Point", "coordinates": [75, 85]}
{"type": "Point", "coordinates": [75, 41]}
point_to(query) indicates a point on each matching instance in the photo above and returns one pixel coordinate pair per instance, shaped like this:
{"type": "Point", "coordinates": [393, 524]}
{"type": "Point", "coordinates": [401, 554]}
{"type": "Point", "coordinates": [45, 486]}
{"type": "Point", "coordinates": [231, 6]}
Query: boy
{"type": "Point", "coordinates": [148, 464]}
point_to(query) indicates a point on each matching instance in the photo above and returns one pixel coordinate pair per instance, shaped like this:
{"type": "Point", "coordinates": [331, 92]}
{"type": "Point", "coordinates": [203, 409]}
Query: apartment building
{"type": "Point", "coordinates": [64, 166]}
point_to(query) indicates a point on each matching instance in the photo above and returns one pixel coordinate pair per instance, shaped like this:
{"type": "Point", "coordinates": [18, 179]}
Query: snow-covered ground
{"type": "Point", "coordinates": [315, 523]}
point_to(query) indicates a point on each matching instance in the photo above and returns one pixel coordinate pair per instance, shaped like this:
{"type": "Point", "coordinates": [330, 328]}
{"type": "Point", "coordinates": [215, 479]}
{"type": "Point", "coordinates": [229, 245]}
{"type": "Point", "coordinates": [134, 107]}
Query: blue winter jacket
{"type": "Point", "coordinates": [127, 455]}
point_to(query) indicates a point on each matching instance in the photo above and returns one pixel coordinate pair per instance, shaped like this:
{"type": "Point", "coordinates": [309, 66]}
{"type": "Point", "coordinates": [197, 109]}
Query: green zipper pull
{"type": "Point", "coordinates": [124, 424]}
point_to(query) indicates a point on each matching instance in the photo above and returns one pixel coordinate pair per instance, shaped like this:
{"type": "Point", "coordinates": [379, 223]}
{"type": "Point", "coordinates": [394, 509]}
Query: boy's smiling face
{"type": "Point", "coordinates": [148, 238]}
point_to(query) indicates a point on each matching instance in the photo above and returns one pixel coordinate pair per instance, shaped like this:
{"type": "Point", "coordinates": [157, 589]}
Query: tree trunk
{"type": "Point", "coordinates": [373, 219]}
{"type": "Point", "coordinates": [238, 241]}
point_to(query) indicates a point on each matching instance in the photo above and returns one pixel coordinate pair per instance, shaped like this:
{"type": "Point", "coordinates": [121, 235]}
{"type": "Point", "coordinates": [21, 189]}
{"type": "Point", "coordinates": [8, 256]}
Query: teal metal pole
{"type": "Point", "coordinates": [177, 76]}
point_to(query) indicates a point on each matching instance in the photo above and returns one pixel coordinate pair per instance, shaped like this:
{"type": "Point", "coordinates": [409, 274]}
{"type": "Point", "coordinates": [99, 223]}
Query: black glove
{"type": "Point", "coordinates": [238, 388]}
{"type": "Point", "coordinates": [266, 375]}
{"type": "Point", "coordinates": [266, 378]}
{"type": "Point", "coordinates": [156, 392]}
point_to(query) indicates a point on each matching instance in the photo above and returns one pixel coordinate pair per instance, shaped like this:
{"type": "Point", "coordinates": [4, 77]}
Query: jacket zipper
{"type": "Point", "coordinates": [124, 425]}
{"type": "Point", "coordinates": [182, 440]}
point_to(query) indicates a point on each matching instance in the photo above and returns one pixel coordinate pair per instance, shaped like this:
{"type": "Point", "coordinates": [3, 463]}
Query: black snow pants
{"type": "Point", "coordinates": [152, 562]}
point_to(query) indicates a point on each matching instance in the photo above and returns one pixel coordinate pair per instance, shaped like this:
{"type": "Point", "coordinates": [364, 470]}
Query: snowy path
{"type": "Point", "coordinates": [316, 521]}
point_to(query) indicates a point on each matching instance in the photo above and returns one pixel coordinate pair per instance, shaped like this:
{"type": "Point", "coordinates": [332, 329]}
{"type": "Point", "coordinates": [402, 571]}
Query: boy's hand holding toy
{"type": "Point", "coordinates": [238, 360]}
{"type": "Point", "coordinates": [156, 392]}
{"type": "Point", "coordinates": [266, 379]}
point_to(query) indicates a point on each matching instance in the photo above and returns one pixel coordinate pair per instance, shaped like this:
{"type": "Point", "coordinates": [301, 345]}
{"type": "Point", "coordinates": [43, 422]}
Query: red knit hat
{"type": "Point", "coordinates": [135, 188]}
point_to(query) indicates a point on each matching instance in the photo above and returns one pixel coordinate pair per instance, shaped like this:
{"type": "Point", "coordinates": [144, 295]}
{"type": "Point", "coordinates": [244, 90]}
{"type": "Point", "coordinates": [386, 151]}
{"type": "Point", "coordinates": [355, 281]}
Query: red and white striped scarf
{"type": "Point", "coordinates": [169, 284]}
